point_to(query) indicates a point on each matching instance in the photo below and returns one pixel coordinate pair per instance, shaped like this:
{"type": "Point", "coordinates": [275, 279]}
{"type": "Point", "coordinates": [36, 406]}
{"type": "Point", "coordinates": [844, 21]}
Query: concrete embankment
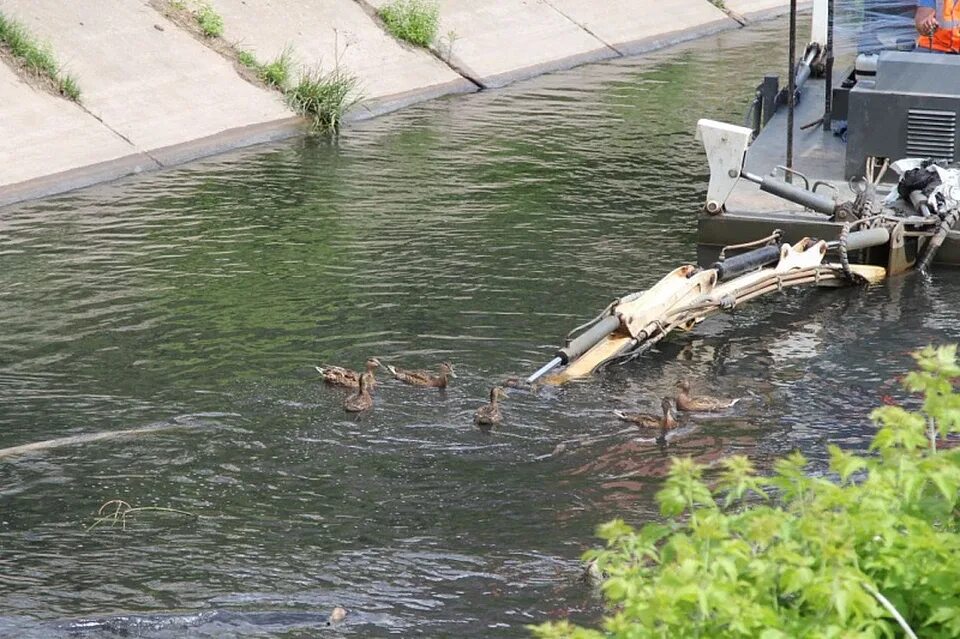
{"type": "Point", "coordinates": [154, 95]}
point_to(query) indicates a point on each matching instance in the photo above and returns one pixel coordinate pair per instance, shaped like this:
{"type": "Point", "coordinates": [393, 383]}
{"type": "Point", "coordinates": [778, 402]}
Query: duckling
{"type": "Point", "coordinates": [489, 414]}
{"type": "Point", "coordinates": [363, 400]}
{"type": "Point", "coordinates": [339, 376]}
{"type": "Point", "coordinates": [700, 404]}
{"type": "Point", "coordinates": [424, 378]}
{"type": "Point", "coordinates": [666, 422]}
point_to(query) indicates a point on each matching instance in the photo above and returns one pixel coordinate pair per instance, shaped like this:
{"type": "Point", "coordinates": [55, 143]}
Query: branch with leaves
{"type": "Point", "coordinates": [870, 550]}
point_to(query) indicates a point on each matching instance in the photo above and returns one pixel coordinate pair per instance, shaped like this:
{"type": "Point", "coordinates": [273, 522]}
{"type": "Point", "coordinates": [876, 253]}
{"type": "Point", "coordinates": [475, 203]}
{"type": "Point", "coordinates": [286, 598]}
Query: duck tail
{"type": "Point", "coordinates": [620, 414]}
{"type": "Point", "coordinates": [734, 402]}
{"type": "Point", "coordinates": [392, 369]}
{"type": "Point", "coordinates": [321, 370]}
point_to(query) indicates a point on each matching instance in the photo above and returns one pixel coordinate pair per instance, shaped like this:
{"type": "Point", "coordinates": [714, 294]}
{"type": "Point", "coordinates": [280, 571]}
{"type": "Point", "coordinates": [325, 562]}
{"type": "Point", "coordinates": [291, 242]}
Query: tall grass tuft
{"type": "Point", "coordinates": [415, 21]}
{"type": "Point", "coordinates": [324, 97]}
{"type": "Point", "coordinates": [211, 23]}
{"type": "Point", "coordinates": [36, 57]}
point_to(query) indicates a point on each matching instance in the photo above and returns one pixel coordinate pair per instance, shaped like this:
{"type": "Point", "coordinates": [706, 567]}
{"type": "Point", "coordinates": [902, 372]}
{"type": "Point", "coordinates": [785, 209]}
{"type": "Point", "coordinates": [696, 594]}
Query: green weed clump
{"type": "Point", "coordinates": [37, 58]}
{"type": "Point", "coordinates": [871, 550]}
{"type": "Point", "coordinates": [324, 97]}
{"type": "Point", "coordinates": [415, 21]}
{"type": "Point", "coordinates": [211, 23]}
{"type": "Point", "coordinates": [275, 73]}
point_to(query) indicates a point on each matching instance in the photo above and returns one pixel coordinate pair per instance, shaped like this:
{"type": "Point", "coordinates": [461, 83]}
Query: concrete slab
{"type": "Point", "coordinates": [323, 32]}
{"type": "Point", "coordinates": [758, 9]}
{"type": "Point", "coordinates": [631, 26]}
{"type": "Point", "coordinates": [144, 77]}
{"type": "Point", "coordinates": [500, 41]}
{"type": "Point", "coordinates": [42, 134]}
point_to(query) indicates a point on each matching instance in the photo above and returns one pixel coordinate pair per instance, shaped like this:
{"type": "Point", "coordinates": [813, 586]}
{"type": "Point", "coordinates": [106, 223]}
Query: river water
{"type": "Point", "coordinates": [473, 229]}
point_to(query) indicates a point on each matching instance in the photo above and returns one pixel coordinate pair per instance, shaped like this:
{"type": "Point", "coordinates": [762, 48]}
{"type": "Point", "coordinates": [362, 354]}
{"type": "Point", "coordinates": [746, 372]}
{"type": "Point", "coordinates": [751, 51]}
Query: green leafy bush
{"type": "Point", "coordinates": [794, 555]}
{"type": "Point", "coordinates": [415, 21]}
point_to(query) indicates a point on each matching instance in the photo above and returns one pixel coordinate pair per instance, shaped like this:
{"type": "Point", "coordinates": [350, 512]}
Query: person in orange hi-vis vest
{"type": "Point", "coordinates": [938, 23]}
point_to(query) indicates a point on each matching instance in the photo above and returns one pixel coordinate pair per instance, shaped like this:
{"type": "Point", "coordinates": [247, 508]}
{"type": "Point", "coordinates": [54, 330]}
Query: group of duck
{"type": "Point", "coordinates": [684, 402]}
{"type": "Point", "coordinates": [489, 415]}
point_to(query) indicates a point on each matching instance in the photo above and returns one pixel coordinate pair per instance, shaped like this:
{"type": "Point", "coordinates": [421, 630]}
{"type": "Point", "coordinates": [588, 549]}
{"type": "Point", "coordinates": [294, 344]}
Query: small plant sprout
{"type": "Point", "coordinates": [276, 73]}
{"type": "Point", "coordinates": [211, 23]}
{"type": "Point", "coordinates": [414, 21]}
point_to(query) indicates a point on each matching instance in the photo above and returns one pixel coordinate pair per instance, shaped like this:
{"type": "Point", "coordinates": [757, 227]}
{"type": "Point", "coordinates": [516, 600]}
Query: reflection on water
{"type": "Point", "coordinates": [476, 229]}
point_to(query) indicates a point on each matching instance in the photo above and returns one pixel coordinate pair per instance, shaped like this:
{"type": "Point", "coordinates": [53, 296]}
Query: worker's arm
{"type": "Point", "coordinates": [925, 19]}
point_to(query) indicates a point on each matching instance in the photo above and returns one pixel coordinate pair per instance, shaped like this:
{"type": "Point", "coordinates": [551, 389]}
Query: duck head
{"type": "Point", "coordinates": [497, 393]}
{"type": "Point", "coordinates": [373, 363]}
{"type": "Point", "coordinates": [446, 368]}
{"type": "Point", "coordinates": [667, 405]}
{"type": "Point", "coordinates": [683, 385]}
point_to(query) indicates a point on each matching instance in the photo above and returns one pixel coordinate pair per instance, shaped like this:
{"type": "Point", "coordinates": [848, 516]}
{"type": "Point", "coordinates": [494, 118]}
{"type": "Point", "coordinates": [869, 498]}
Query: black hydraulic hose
{"type": "Point", "coordinates": [828, 71]}
{"type": "Point", "coordinates": [936, 241]}
{"type": "Point", "coordinates": [796, 194]}
{"type": "Point", "coordinates": [745, 262]}
{"type": "Point", "coordinates": [588, 339]}
{"type": "Point", "coordinates": [792, 87]}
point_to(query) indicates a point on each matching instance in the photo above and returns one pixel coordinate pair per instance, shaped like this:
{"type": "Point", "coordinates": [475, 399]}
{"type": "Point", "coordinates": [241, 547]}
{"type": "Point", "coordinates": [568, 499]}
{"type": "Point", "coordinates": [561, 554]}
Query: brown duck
{"type": "Point", "coordinates": [424, 378]}
{"type": "Point", "coordinates": [489, 414]}
{"type": "Point", "coordinates": [339, 376]}
{"type": "Point", "coordinates": [362, 400]}
{"type": "Point", "coordinates": [646, 420]}
{"type": "Point", "coordinates": [699, 404]}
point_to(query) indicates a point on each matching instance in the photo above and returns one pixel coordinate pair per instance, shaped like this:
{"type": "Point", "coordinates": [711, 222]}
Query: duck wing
{"type": "Point", "coordinates": [640, 419]}
{"type": "Point", "coordinates": [488, 415]}
{"type": "Point", "coordinates": [417, 378]}
{"type": "Point", "coordinates": [708, 404]}
{"type": "Point", "coordinates": [358, 403]}
{"type": "Point", "coordinates": [339, 376]}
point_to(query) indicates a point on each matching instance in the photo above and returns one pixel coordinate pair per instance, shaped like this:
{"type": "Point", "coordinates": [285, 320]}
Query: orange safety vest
{"type": "Point", "coordinates": [947, 36]}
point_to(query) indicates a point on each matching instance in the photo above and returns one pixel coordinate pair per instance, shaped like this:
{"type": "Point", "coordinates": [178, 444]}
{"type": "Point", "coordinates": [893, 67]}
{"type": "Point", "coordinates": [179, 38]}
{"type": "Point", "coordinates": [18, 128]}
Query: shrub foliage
{"type": "Point", "coordinates": [415, 21]}
{"type": "Point", "coordinates": [795, 555]}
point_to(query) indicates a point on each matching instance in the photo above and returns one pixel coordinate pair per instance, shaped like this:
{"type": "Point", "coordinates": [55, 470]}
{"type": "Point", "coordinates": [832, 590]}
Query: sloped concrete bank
{"type": "Point", "coordinates": [154, 95]}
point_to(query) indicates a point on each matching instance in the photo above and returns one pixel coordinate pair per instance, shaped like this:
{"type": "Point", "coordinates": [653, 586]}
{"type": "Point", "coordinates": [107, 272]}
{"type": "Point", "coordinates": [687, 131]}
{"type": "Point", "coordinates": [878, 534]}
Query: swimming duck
{"type": "Point", "coordinates": [339, 376]}
{"type": "Point", "coordinates": [666, 421]}
{"type": "Point", "coordinates": [699, 404]}
{"type": "Point", "coordinates": [363, 400]}
{"type": "Point", "coordinates": [489, 414]}
{"type": "Point", "coordinates": [424, 378]}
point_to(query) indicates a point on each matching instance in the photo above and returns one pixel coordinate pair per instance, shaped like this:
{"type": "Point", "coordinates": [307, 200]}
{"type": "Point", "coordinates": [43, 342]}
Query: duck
{"type": "Point", "coordinates": [339, 376]}
{"type": "Point", "coordinates": [699, 404]}
{"type": "Point", "coordinates": [489, 414]}
{"type": "Point", "coordinates": [646, 420]}
{"type": "Point", "coordinates": [424, 378]}
{"type": "Point", "coordinates": [362, 400]}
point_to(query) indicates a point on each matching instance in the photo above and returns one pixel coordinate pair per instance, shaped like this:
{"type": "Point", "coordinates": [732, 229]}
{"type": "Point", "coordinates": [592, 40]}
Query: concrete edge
{"type": "Point", "coordinates": [380, 106]}
{"type": "Point", "coordinates": [776, 12]}
{"type": "Point", "coordinates": [235, 138]}
{"type": "Point", "coordinates": [142, 162]}
{"type": "Point", "coordinates": [77, 178]}
{"type": "Point", "coordinates": [662, 41]}
{"type": "Point", "coordinates": [500, 80]}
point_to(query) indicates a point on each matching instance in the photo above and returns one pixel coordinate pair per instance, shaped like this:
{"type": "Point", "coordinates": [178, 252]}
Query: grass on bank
{"type": "Point", "coordinates": [414, 21]}
{"type": "Point", "coordinates": [208, 21]}
{"type": "Point", "coordinates": [275, 73]}
{"type": "Point", "coordinates": [36, 57]}
{"type": "Point", "coordinates": [324, 98]}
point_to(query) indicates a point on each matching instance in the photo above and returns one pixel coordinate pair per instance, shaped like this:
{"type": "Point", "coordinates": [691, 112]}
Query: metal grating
{"type": "Point", "coordinates": [931, 134]}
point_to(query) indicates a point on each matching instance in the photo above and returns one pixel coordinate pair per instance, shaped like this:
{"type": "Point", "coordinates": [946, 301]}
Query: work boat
{"type": "Point", "coordinates": [830, 184]}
